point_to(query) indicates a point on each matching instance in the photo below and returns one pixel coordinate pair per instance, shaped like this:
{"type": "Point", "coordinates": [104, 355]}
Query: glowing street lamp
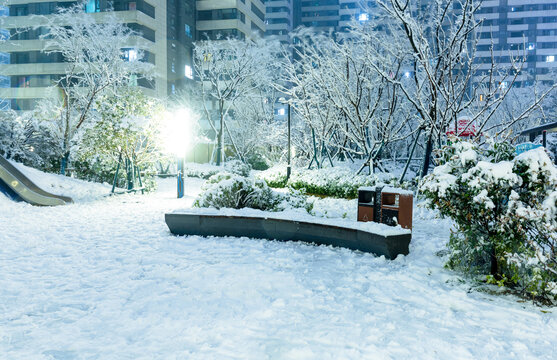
{"type": "Point", "coordinates": [288, 168]}
{"type": "Point", "coordinates": [178, 136]}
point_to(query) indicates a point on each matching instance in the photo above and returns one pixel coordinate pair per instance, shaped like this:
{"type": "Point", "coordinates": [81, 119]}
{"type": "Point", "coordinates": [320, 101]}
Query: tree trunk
{"type": "Point", "coordinates": [410, 156]}
{"type": "Point", "coordinates": [220, 135]}
{"type": "Point", "coordinates": [494, 266]}
{"type": "Point", "coordinates": [67, 130]}
{"type": "Point", "coordinates": [427, 155]}
{"type": "Point", "coordinates": [64, 163]}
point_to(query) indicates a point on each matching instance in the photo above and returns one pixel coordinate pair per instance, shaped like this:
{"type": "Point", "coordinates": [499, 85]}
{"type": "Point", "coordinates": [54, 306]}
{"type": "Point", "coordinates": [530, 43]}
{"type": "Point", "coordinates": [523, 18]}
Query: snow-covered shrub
{"type": "Point", "coordinates": [337, 181]}
{"type": "Point", "coordinates": [203, 171]}
{"type": "Point", "coordinates": [237, 167]}
{"type": "Point", "coordinates": [206, 171]}
{"type": "Point", "coordinates": [257, 161]}
{"type": "Point", "coordinates": [228, 190]}
{"type": "Point", "coordinates": [505, 209]}
{"type": "Point", "coordinates": [275, 176]}
{"type": "Point", "coordinates": [26, 138]}
{"type": "Point", "coordinates": [296, 199]}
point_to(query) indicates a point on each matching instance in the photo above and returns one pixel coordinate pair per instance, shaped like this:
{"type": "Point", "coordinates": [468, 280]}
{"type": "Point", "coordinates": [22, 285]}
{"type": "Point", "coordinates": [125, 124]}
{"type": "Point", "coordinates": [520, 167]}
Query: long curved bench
{"type": "Point", "coordinates": [368, 237]}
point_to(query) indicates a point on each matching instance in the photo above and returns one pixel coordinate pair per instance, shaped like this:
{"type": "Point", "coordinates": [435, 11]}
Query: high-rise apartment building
{"type": "Point", "coordinates": [279, 19]}
{"type": "Point", "coordinates": [4, 59]}
{"type": "Point", "coordinates": [322, 15]}
{"type": "Point", "coordinates": [219, 19]}
{"type": "Point", "coordinates": [180, 24]}
{"type": "Point", "coordinates": [520, 28]}
{"type": "Point", "coordinates": [165, 28]}
{"type": "Point", "coordinates": [351, 10]}
{"type": "Point", "coordinates": [331, 15]}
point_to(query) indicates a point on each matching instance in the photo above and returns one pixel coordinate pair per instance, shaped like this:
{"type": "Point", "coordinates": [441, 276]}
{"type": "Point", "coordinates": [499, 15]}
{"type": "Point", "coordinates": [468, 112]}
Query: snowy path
{"type": "Point", "coordinates": [105, 280]}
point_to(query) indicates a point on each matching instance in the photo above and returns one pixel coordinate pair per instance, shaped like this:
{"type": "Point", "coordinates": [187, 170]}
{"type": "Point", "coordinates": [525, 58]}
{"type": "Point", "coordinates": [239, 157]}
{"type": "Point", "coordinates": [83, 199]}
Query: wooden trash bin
{"type": "Point", "coordinates": [396, 207]}
{"type": "Point", "coordinates": [368, 204]}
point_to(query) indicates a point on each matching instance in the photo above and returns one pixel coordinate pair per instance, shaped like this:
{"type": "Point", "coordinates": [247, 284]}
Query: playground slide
{"type": "Point", "coordinates": [19, 187]}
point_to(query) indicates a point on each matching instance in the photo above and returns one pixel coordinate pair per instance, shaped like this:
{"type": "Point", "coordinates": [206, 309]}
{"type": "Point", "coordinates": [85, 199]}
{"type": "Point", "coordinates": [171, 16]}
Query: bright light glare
{"type": "Point", "coordinates": [177, 132]}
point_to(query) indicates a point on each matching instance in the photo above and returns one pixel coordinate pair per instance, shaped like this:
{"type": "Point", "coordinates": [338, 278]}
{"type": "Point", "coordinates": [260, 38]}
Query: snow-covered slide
{"type": "Point", "coordinates": [18, 186]}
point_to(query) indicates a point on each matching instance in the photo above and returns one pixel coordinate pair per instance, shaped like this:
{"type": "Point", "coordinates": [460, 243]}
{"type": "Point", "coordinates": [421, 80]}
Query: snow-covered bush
{"type": "Point", "coordinates": [228, 190]}
{"type": "Point", "coordinates": [202, 171]}
{"type": "Point", "coordinates": [505, 209]}
{"type": "Point", "coordinates": [275, 176]}
{"type": "Point", "coordinates": [26, 137]}
{"type": "Point", "coordinates": [237, 167]}
{"type": "Point", "coordinates": [338, 182]}
{"type": "Point", "coordinates": [206, 171]}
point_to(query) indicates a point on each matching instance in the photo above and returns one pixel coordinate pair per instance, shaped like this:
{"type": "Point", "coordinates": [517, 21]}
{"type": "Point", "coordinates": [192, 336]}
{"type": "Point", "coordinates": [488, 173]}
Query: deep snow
{"type": "Point", "coordinates": [104, 279]}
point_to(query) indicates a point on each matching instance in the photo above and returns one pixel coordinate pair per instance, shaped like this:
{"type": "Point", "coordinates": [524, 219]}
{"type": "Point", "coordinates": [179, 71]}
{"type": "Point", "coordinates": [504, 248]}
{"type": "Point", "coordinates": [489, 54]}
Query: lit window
{"type": "Point", "coordinates": [363, 17]}
{"type": "Point", "coordinates": [189, 72]}
{"type": "Point", "coordinates": [92, 6]}
{"type": "Point", "coordinates": [130, 55]}
{"type": "Point", "coordinates": [550, 58]}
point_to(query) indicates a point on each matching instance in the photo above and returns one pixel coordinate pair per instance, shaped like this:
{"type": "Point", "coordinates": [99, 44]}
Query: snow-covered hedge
{"type": "Point", "coordinates": [237, 167]}
{"type": "Point", "coordinates": [505, 208]}
{"type": "Point", "coordinates": [337, 181]}
{"type": "Point", "coordinates": [205, 171]}
{"type": "Point", "coordinates": [228, 190]}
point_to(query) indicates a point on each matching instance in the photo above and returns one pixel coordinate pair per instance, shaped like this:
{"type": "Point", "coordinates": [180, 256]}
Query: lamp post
{"type": "Point", "coordinates": [288, 155]}
{"type": "Point", "coordinates": [178, 135]}
{"type": "Point", "coordinates": [180, 176]}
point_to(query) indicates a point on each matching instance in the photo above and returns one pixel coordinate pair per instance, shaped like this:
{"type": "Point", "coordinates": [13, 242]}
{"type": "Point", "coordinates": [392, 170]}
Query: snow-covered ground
{"type": "Point", "coordinates": [104, 279]}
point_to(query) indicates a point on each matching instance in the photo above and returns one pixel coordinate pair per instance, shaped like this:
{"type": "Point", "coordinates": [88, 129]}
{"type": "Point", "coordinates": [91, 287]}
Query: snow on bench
{"type": "Point", "coordinates": [376, 238]}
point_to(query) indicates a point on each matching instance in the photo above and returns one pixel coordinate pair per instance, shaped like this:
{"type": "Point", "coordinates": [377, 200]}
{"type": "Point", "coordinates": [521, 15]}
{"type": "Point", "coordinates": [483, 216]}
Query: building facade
{"type": "Point", "coordinates": [165, 29]}
{"type": "Point", "coordinates": [351, 10]}
{"type": "Point", "coordinates": [219, 19]}
{"type": "Point", "coordinates": [180, 30]}
{"type": "Point", "coordinates": [279, 19]}
{"type": "Point", "coordinates": [331, 15]}
{"type": "Point", "coordinates": [518, 28]}
{"type": "Point", "coordinates": [322, 15]}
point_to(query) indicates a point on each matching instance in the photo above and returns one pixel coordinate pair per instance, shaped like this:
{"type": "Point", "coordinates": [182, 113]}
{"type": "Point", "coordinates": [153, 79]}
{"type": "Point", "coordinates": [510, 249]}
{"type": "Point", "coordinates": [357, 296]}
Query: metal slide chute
{"type": "Point", "coordinates": [16, 184]}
